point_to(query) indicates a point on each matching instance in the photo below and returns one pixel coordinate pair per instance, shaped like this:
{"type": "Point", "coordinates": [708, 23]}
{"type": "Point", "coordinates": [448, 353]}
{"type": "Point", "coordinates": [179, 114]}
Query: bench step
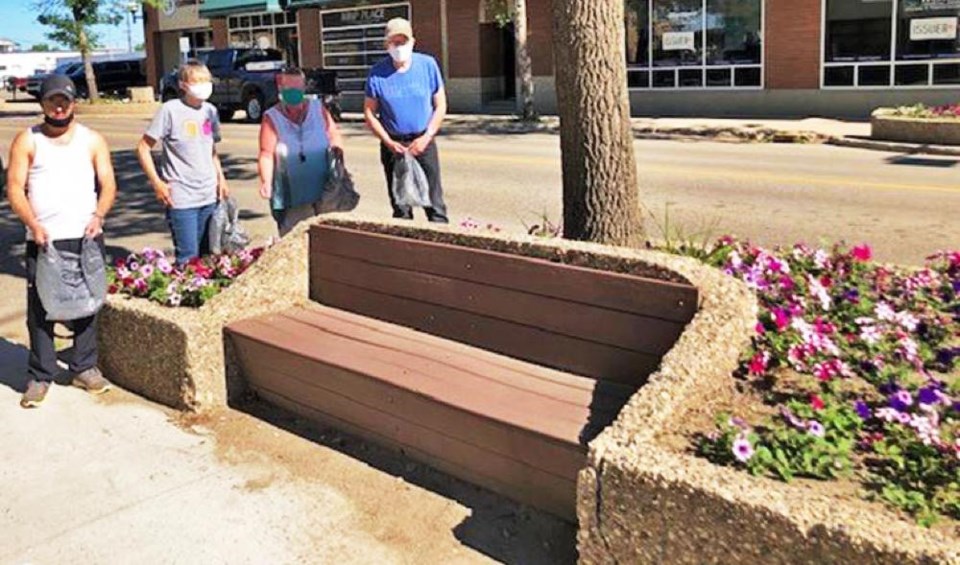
{"type": "Point", "coordinates": [514, 427]}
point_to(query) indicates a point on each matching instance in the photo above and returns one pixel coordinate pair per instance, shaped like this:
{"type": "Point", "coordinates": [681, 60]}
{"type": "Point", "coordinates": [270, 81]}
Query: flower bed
{"type": "Point", "coordinates": [151, 274]}
{"type": "Point", "coordinates": [852, 361]}
{"type": "Point", "coordinates": [923, 111]}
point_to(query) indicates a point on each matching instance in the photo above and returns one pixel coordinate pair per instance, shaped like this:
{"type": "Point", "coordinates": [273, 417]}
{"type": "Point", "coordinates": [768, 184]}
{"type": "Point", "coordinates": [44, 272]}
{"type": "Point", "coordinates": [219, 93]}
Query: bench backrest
{"type": "Point", "coordinates": [593, 323]}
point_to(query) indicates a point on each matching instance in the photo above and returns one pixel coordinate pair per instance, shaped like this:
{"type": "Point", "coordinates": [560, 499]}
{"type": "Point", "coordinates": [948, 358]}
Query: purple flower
{"type": "Point", "coordinates": [930, 395]}
{"type": "Point", "coordinates": [815, 428]}
{"type": "Point", "coordinates": [788, 415]}
{"type": "Point", "coordinates": [956, 406]}
{"type": "Point", "coordinates": [862, 410]}
{"type": "Point", "coordinates": [901, 400]}
{"type": "Point", "coordinates": [742, 450]}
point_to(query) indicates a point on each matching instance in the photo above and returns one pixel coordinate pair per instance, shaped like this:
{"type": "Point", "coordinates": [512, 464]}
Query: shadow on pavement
{"type": "Point", "coordinates": [13, 365]}
{"type": "Point", "coordinates": [503, 530]}
{"type": "Point", "coordinates": [922, 161]}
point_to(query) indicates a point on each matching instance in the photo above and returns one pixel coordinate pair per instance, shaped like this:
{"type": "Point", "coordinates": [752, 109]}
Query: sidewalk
{"type": "Point", "coordinates": [115, 479]}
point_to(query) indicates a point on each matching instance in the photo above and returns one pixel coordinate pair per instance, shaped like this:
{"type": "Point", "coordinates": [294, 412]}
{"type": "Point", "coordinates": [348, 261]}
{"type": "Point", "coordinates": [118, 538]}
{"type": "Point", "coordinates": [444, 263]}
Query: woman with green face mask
{"type": "Point", "coordinates": [295, 136]}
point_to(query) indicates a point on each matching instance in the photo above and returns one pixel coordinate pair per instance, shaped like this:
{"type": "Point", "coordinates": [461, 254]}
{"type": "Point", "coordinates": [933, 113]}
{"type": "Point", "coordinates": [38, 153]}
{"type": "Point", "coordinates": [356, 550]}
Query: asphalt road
{"type": "Point", "coordinates": [906, 206]}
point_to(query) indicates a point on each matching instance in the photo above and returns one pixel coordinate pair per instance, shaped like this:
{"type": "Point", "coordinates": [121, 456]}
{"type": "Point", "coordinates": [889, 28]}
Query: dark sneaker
{"type": "Point", "coordinates": [91, 380]}
{"type": "Point", "coordinates": [36, 393]}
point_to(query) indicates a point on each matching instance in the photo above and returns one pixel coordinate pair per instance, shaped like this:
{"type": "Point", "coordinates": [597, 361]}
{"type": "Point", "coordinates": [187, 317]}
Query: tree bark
{"type": "Point", "coordinates": [601, 200]}
{"type": "Point", "coordinates": [93, 92]}
{"type": "Point", "coordinates": [528, 111]}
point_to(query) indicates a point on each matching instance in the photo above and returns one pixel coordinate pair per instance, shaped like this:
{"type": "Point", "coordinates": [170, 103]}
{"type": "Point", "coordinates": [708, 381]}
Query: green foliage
{"type": "Point", "coordinates": [500, 10]}
{"type": "Point", "coordinates": [915, 477]}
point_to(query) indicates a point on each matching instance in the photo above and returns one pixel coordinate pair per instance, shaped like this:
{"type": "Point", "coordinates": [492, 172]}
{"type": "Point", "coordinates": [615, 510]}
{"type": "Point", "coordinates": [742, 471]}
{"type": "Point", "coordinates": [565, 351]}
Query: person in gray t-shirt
{"type": "Point", "coordinates": [190, 180]}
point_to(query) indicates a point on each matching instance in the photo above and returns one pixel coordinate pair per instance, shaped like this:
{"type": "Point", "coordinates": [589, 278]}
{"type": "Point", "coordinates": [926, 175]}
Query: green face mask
{"type": "Point", "coordinates": [292, 96]}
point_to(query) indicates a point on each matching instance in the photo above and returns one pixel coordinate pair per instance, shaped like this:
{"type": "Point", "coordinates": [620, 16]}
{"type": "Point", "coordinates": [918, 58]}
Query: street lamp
{"type": "Point", "coordinates": [133, 9]}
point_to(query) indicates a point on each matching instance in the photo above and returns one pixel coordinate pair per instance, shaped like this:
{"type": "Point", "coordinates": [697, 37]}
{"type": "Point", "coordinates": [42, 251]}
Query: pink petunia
{"type": "Point", "coordinates": [862, 253]}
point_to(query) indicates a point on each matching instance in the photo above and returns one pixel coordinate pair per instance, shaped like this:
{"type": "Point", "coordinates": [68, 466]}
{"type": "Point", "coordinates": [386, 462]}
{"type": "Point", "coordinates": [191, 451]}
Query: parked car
{"type": "Point", "coordinates": [33, 83]}
{"type": "Point", "coordinates": [245, 79]}
{"type": "Point", "coordinates": [113, 77]}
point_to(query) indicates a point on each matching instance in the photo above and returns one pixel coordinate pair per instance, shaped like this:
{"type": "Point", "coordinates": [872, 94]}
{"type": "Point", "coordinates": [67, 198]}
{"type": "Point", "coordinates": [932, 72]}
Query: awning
{"type": "Point", "coordinates": [313, 3]}
{"type": "Point", "coordinates": [215, 8]}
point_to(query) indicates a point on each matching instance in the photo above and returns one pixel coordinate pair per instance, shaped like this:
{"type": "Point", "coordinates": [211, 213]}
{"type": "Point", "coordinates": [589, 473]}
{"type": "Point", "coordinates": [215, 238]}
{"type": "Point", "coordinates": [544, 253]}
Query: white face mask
{"type": "Point", "coordinates": [401, 53]}
{"type": "Point", "coordinates": [201, 91]}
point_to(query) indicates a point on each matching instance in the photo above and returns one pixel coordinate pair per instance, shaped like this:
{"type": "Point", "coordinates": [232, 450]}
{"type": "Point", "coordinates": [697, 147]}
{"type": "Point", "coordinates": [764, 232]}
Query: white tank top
{"type": "Point", "coordinates": [61, 184]}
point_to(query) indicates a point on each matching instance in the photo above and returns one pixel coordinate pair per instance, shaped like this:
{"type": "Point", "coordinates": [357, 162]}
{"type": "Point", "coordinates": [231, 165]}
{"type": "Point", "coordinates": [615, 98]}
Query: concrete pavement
{"type": "Point", "coordinates": [114, 479]}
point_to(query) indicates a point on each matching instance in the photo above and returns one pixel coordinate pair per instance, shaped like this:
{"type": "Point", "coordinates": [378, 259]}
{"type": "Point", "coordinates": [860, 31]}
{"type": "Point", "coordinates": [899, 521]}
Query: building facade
{"type": "Point", "coordinates": [683, 57]}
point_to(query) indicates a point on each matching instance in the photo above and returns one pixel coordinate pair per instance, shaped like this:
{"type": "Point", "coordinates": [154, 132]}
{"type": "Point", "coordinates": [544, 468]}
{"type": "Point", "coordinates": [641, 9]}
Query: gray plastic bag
{"type": "Point", "coordinates": [71, 286]}
{"type": "Point", "coordinates": [339, 194]}
{"type": "Point", "coordinates": [226, 235]}
{"type": "Point", "coordinates": [410, 186]}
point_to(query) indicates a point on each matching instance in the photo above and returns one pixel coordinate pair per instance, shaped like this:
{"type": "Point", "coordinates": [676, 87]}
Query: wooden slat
{"type": "Point", "coordinates": [490, 364]}
{"type": "Point", "coordinates": [540, 490]}
{"type": "Point", "coordinates": [627, 293]}
{"type": "Point", "coordinates": [273, 370]}
{"type": "Point", "coordinates": [572, 319]}
{"type": "Point", "coordinates": [444, 357]}
{"type": "Point", "coordinates": [576, 356]}
{"type": "Point", "coordinates": [554, 411]}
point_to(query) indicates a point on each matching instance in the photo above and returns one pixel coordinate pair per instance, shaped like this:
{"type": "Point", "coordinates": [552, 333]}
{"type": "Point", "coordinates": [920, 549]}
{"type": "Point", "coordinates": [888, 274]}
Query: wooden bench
{"type": "Point", "coordinates": [495, 368]}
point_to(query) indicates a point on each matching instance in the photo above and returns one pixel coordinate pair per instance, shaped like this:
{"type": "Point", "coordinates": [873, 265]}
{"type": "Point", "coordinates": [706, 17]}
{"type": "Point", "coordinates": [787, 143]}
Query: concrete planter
{"type": "Point", "coordinates": [638, 501]}
{"type": "Point", "coordinates": [177, 356]}
{"type": "Point", "coordinates": [926, 131]}
{"type": "Point", "coordinates": [145, 109]}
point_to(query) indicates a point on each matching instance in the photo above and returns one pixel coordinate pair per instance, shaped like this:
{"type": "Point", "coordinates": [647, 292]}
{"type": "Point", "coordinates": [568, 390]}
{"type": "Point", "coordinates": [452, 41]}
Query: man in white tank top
{"type": "Point", "coordinates": [52, 185]}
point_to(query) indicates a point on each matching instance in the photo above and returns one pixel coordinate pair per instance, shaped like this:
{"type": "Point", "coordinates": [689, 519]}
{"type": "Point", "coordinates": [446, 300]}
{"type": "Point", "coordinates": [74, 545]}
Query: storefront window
{"type": "Point", "coordinates": [733, 32]}
{"type": "Point", "coordinates": [859, 49]}
{"type": "Point", "coordinates": [677, 33]}
{"type": "Point", "coordinates": [927, 30]}
{"type": "Point", "coordinates": [694, 43]}
{"type": "Point", "coordinates": [266, 31]}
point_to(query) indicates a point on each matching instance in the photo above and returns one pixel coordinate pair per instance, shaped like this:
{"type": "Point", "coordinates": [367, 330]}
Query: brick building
{"type": "Point", "coordinates": [684, 57]}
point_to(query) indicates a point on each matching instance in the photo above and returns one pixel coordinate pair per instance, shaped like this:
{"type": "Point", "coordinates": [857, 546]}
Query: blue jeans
{"type": "Point", "coordinates": [190, 227]}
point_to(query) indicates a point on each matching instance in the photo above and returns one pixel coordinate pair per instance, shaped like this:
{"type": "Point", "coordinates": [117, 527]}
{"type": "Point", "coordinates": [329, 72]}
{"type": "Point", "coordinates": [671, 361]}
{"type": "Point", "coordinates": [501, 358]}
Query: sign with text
{"type": "Point", "coordinates": [679, 41]}
{"type": "Point", "coordinates": [923, 29]}
{"type": "Point", "coordinates": [922, 6]}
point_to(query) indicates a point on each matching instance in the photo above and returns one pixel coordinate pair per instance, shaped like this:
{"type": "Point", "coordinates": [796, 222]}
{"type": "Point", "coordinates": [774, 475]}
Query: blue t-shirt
{"type": "Point", "coordinates": [406, 99]}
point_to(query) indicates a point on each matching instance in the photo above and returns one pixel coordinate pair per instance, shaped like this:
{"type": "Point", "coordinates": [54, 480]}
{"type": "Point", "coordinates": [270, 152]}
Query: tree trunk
{"type": "Point", "coordinates": [92, 91]}
{"type": "Point", "coordinates": [601, 200]}
{"type": "Point", "coordinates": [528, 111]}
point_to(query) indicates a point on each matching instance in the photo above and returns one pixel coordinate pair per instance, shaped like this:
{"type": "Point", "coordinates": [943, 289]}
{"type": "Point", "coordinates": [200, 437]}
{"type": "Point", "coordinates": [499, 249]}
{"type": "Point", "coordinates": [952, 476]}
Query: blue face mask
{"type": "Point", "coordinates": [292, 96]}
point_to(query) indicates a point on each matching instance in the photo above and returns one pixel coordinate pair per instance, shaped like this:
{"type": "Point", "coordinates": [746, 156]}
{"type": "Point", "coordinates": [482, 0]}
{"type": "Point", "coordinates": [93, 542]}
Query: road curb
{"type": "Point", "coordinates": [894, 147]}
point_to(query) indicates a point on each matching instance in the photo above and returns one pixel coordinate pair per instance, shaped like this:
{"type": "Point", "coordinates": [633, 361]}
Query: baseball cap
{"type": "Point", "coordinates": [398, 26]}
{"type": "Point", "coordinates": [58, 84]}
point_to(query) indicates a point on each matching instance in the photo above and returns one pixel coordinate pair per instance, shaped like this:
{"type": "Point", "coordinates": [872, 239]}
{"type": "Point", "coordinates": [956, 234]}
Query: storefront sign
{"type": "Point", "coordinates": [923, 6]}
{"type": "Point", "coordinates": [373, 15]}
{"type": "Point", "coordinates": [924, 29]}
{"type": "Point", "coordinates": [679, 41]}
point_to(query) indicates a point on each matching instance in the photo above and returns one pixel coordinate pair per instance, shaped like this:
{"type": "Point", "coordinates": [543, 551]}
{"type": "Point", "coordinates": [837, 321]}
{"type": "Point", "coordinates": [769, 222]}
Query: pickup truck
{"type": "Point", "coordinates": [245, 79]}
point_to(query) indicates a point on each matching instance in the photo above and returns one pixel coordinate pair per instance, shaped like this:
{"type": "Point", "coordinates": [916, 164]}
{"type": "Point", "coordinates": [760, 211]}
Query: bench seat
{"type": "Point", "coordinates": [515, 427]}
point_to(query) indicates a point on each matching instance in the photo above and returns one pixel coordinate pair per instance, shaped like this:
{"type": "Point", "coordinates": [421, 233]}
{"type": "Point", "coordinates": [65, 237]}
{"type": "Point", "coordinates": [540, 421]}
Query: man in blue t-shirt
{"type": "Point", "coordinates": [404, 106]}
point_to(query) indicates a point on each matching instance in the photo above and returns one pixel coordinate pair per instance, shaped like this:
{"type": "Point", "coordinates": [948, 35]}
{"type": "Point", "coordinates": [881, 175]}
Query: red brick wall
{"type": "Point", "coordinates": [793, 44]}
{"type": "Point", "coordinates": [308, 29]}
{"type": "Point", "coordinates": [220, 39]}
{"type": "Point", "coordinates": [540, 36]}
{"type": "Point", "coordinates": [425, 18]}
{"type": "Point", "coordinates": [463, 31]}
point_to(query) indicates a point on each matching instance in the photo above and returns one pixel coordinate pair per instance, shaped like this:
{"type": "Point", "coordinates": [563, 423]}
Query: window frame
{"type": "Point", "coordinates": [272, 26]}
{"type": "Point", "coordinates": [703, 67]}
{"type": "Point", "coordinates": [892, 63]}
